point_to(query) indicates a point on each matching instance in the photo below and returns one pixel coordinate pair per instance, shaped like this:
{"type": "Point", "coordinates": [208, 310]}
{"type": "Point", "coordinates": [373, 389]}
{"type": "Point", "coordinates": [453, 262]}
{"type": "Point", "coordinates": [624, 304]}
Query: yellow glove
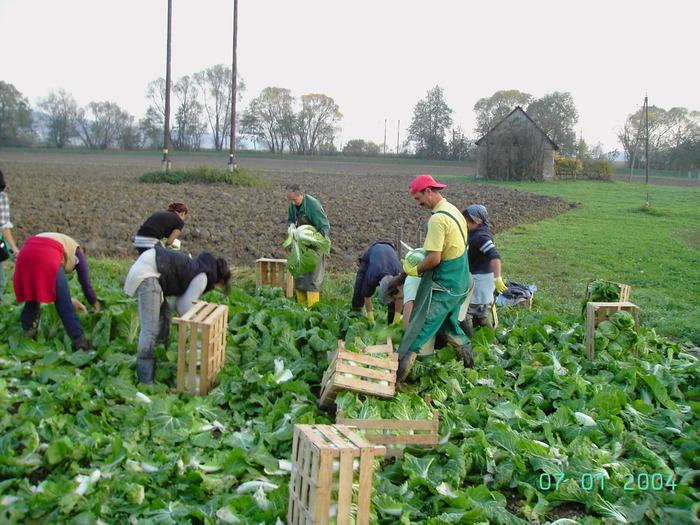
{"type": "Point", "coordinates": [410, 270]}
{"type": "Point", "coordinates": [397, 318]}
{"type": "Point", "coordinates": [500, 285]}
{"type": "Point", "coordinates": [370, 317]}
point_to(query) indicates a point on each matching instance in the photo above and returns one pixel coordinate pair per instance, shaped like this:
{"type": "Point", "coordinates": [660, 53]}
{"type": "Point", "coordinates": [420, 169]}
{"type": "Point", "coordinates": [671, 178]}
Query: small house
{"type": "Point", "coordinates": [516, 149]}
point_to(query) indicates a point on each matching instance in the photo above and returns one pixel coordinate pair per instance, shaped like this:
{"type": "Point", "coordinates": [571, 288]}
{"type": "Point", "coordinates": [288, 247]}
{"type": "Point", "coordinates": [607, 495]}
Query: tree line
{"type": "Point", "coordinates": [309, 125]}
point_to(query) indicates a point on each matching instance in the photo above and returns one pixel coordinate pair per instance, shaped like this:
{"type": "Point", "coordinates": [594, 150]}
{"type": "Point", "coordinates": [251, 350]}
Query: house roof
{"type": "Point", "coordinates": [519, 111]}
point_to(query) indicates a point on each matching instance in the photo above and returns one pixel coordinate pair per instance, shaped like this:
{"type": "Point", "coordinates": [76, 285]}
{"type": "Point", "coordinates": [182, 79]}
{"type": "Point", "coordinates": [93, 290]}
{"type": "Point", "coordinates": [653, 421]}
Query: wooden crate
{"type": "Point", "coordinates": [274, 273]}
{"type": "Point", "coordinates": [377, 431]}
{"type": "Point", "coordinates": [201, 346]}
{"type": "Point", "coordinates": [350, 371]}
{"type": "Point", "coordinates": [597, 312]}
{"type": "Point", "coordinates": [625, 291]}
{"type": "Point", "coordinates": [311, 484]}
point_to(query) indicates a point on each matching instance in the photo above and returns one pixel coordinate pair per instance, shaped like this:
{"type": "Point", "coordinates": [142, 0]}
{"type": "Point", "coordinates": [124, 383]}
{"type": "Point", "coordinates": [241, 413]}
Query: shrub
{"type": "Point", "coordinates": [599, 169]}
{"type": "Point", "coordinates": [205, 174]}
{"type": "Point", "coordinates": [566, 167]}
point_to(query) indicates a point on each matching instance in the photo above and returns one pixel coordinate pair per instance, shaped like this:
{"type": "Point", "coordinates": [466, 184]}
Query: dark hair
{"type": "Point", "coordinates": [178, 207]}
{"type": "Point", "coordinates": [293, 188]}
{"type": "Point", "coordinates": [393, 287]}
{"type": "Point", "coordinates": [223, 274]}
{"type": "Point", "coordinates": [2, 182]}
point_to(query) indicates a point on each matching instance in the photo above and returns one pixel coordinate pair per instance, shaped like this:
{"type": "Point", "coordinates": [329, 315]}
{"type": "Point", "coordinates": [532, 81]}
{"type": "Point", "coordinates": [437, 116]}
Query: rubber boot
{"type": "Point", "coordinates": [467, 327]}
{"type": "Point", "coordinates": [312, 298]}
{"type": "Point", "coordinates": [405, 365]}
{"type": "Point", "coordinates": [485, 321]}
{"type": "Point", "coordinates": [464, 352]}
{"type": "Point", "coordinates": [301, 296]}
{"type": "Point", "coordinates": [146, 370]}
{"type": "Point", "coordinates": [80, 342]}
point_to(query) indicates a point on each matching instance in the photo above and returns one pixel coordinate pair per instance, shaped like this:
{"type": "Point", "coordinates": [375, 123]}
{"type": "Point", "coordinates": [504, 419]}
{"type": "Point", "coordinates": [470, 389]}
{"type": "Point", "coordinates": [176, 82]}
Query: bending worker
{"type": "Point", "coordinates": [485, 267]}
{"type": "Point", "coordinates": [378, 264]}
{"type": "Point", "coordinates": [444, 281]}
{"type": "Point", "coordinates": [305, 209]}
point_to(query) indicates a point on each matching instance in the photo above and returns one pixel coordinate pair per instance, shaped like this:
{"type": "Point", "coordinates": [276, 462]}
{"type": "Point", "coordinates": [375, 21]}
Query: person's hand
{"type": "Point", "coordinates": [500, 285]}
{"type": "Point", "coordinates": [370, 317]}
{"type": "Point", "coordinates": [410, 270]}
{"type": "Point", "coordinates": [96, 307]}
{"type": "Point", "coordinates": [15, 253]}
{"type": "Point", "coordinates": [397, 318]}
{"type": "Point", "coordinates": [79, 307]}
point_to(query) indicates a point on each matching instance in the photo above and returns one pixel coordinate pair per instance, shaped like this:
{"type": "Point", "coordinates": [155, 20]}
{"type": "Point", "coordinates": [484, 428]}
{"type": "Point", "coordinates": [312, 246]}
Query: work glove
{"type": "Point", "coordinates": [397, 318]}
{"type": "Point", "coordinates": [370, 317]}
{"type": "Point", "coordinates": [410, 270]}
{"type": "Point", "coordinates": [500, 285]}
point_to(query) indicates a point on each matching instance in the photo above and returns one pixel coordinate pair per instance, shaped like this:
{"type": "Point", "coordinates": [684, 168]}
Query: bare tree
{"type": "Point", "coordinates": [15, 117]}
{"type": "Point", "coordinates": [190, 124]}
{"type": "Point", "coordinates": [62, 111]}
{"type": "Point", "coordinates": [270, 116]}
{"type": "Point", "coordinates": [215, 86]}
{"type": "Point", "coordinates": [316, 122]}
{"type": "Point", "coordinates": [105, 127]}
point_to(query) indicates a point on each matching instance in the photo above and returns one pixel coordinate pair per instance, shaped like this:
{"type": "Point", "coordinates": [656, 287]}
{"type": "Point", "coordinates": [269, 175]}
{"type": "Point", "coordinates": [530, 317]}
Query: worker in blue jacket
{"type": "Point", "coordinates": [378, 264]}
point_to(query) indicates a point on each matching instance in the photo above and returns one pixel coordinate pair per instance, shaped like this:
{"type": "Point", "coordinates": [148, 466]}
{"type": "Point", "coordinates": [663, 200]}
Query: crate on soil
{"type": "Point", "coordinates": [201, 352]}
{"type": "Point", "coordinates": [274, 273]}
{"type": "Point", "coordinates": [597, 312]}
{"type": "Point", "coordinates": [360, 372]}
{"type": "Point", "coordinates": [392, 433]}
{"type": "Point", "coordinates": [331, 479]}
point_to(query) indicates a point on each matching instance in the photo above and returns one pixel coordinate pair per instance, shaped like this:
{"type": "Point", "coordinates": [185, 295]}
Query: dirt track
{"type": "Point", "coordinates": [97, 199]}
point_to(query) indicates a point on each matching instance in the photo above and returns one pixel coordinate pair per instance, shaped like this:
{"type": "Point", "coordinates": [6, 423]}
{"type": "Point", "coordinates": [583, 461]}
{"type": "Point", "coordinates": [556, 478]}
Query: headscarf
{"type": "Point", "coordinates": [478, 213]}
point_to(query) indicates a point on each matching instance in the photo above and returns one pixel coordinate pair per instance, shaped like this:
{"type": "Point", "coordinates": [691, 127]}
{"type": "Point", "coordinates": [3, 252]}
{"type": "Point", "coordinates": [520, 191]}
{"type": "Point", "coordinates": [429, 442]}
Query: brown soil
{"type": "Point", "coordinates": [97, 199]}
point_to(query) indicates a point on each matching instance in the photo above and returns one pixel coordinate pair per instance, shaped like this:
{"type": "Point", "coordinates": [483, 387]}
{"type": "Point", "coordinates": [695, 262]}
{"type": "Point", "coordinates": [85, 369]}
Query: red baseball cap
{"type": "Point", "coordinates": [424, 181]}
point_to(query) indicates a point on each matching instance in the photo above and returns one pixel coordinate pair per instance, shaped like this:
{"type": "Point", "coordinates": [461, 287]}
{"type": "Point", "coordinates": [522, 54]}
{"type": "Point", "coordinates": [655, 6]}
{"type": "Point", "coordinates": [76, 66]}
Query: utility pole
{"type": "Point", "coordinates": [646, 150]}
{"type": "Point", "coordinates": [234, 90]}
{"type": "Point", "coordinates": [165, 164]}
{"type": "Point", "coordinates": [398, 126]}
{"type": "Point", "coordinates": [384, 136]}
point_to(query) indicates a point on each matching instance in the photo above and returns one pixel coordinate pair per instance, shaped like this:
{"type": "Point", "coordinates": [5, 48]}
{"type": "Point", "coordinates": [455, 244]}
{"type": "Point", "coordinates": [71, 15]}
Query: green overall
{"type": "Point", "coordinates": [440, 294]}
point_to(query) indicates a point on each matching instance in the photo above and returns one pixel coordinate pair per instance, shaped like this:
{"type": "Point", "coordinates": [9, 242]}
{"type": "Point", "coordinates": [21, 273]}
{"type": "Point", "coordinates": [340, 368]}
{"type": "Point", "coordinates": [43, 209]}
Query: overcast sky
{"type": "Point", "coordinates": [375, 58]}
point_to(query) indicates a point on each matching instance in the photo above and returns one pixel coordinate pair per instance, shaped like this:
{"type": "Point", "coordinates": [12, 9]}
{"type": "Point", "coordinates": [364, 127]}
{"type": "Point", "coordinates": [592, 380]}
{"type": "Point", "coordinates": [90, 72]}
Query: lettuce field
{"type": "Point", "coordinates": [534, 434]}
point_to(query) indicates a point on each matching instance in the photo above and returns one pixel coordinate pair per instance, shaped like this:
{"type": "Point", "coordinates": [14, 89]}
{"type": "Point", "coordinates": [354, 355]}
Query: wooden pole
{"type": "Point", "coordinates": [165, 164]}
{"type": "Point", "coordinates": [234, 90]}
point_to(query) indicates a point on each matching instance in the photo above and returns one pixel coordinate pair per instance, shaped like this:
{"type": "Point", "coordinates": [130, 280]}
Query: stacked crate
{"type": "Point", "coordinates": [379, 431]}
{"type": "Point", "coordinates": [314, 476]}
{"type": "Point", "coordinates": [201, 346]}
{"type": "Point", "coordinates": [274, 273]}
{"type": "Point", "coordinates": [597, 312]}
{"type": "Point", "coordinates": [360, 373]}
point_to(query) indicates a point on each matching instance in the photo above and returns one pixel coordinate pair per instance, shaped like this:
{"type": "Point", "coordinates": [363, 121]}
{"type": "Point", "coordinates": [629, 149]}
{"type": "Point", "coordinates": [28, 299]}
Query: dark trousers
{"type": "Point", "coordinates": [64, 307]}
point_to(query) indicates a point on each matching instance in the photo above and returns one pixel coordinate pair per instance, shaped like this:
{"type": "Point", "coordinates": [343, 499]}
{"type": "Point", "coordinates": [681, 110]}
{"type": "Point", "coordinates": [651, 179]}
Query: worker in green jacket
{"type": "Point", "coordinates": [305, 209]}
{"type": "Point", "coordinates": [445, 280]}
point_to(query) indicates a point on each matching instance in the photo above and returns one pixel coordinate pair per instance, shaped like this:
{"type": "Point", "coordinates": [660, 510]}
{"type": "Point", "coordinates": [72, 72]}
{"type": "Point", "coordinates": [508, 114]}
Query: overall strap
{"type": "Point", "coordinates": [457, 223]}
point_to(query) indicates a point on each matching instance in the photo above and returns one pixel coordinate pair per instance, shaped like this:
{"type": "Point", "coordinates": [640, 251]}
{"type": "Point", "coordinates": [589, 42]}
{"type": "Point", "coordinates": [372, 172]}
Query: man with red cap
{"type": "Point", "coordinates": [445, 278]}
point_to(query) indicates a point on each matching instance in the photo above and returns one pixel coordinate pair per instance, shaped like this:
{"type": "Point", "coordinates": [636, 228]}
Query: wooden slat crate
{"type": "Point", "coordinates": [377, 431]}
{"type": "Point", "coordinates": [274, 273]}
{"type": "Point", "coordinates": [311, 484]}
{"type": "Point", "coordinates": [625, 290]}
{"type": "Point", "coordinates": [201, 346]}
{"type": "Point", "coordinates": [350, 371]}
{"type": "Point", "coordinates": [597, 312]}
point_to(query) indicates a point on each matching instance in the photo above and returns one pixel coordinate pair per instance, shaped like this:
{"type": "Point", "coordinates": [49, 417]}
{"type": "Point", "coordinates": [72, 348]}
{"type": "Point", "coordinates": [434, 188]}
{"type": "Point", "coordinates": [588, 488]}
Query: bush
{"type": "Point", "coordinates": [207, 175]}
{"type": "Point", "coordinates": [568, 167]}
{"type": "Point", "coordinates": [599, 169]}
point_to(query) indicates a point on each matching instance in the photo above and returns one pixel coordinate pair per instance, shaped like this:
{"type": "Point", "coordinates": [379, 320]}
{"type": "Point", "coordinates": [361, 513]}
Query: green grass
{"type": "Point", "coordinates": [611, 234]}
{"type": "Point", "coordinates": [668, 174]}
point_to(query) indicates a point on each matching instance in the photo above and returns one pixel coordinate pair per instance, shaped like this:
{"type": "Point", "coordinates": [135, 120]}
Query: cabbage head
{"type": "Point", "coordinates": [622, 319]}
{"type": "Point", "coordinates": [627, 339]}
{"type": "Point", "coordinates": [600, 341]}
{"type": "Point", "coordinates": [608, 329]}
{"type": "Point", "coordinates": [415, 256]}
{"type": "Point", "coordinates": [305, 241]}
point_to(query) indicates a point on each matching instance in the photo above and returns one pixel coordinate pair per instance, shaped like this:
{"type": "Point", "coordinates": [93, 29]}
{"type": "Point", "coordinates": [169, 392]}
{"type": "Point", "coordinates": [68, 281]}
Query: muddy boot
{"type": "Point", "coordinates": [486, 322]}
{"type": "Point", "coordinates": [467, 327]}
{"type": "Point", "coordinates": [146, 370]}
{"type": "Point", "coordinates": [405, 365]}
{"type": "Point", "coordinates": [80, 342]}
{"type": "Point", "coordinates": [464, 352]}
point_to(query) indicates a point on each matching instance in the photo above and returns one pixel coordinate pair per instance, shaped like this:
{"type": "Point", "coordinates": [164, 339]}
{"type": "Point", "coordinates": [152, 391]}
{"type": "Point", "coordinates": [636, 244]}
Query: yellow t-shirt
{"type": "Point", "coordinates": [443, 234]}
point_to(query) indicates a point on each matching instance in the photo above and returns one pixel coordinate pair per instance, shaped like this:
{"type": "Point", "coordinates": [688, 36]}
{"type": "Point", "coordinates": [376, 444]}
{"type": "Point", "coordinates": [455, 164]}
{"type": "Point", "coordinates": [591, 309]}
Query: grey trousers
{"type": "Point", "coordinates": [155, 317]}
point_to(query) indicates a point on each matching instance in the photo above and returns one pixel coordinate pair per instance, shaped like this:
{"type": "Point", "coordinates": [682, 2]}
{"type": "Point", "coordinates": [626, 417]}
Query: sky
{"type": "Point", "coordinates": [376, 58]}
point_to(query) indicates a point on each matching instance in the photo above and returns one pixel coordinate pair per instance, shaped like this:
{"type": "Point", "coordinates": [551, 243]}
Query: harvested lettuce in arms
{"type": "Point", "coordinates": [304, 241]}
{"type": "Point", "coordinates": [415, 256]}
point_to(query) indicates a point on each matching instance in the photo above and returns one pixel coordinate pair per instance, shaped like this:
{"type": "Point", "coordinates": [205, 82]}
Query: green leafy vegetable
{"type": "Point", "coordinates": [305, 244]}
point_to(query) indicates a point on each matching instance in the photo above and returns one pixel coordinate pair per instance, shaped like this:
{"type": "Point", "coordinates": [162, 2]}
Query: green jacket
{"type": "Point", "coordinates": [309, 212]}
